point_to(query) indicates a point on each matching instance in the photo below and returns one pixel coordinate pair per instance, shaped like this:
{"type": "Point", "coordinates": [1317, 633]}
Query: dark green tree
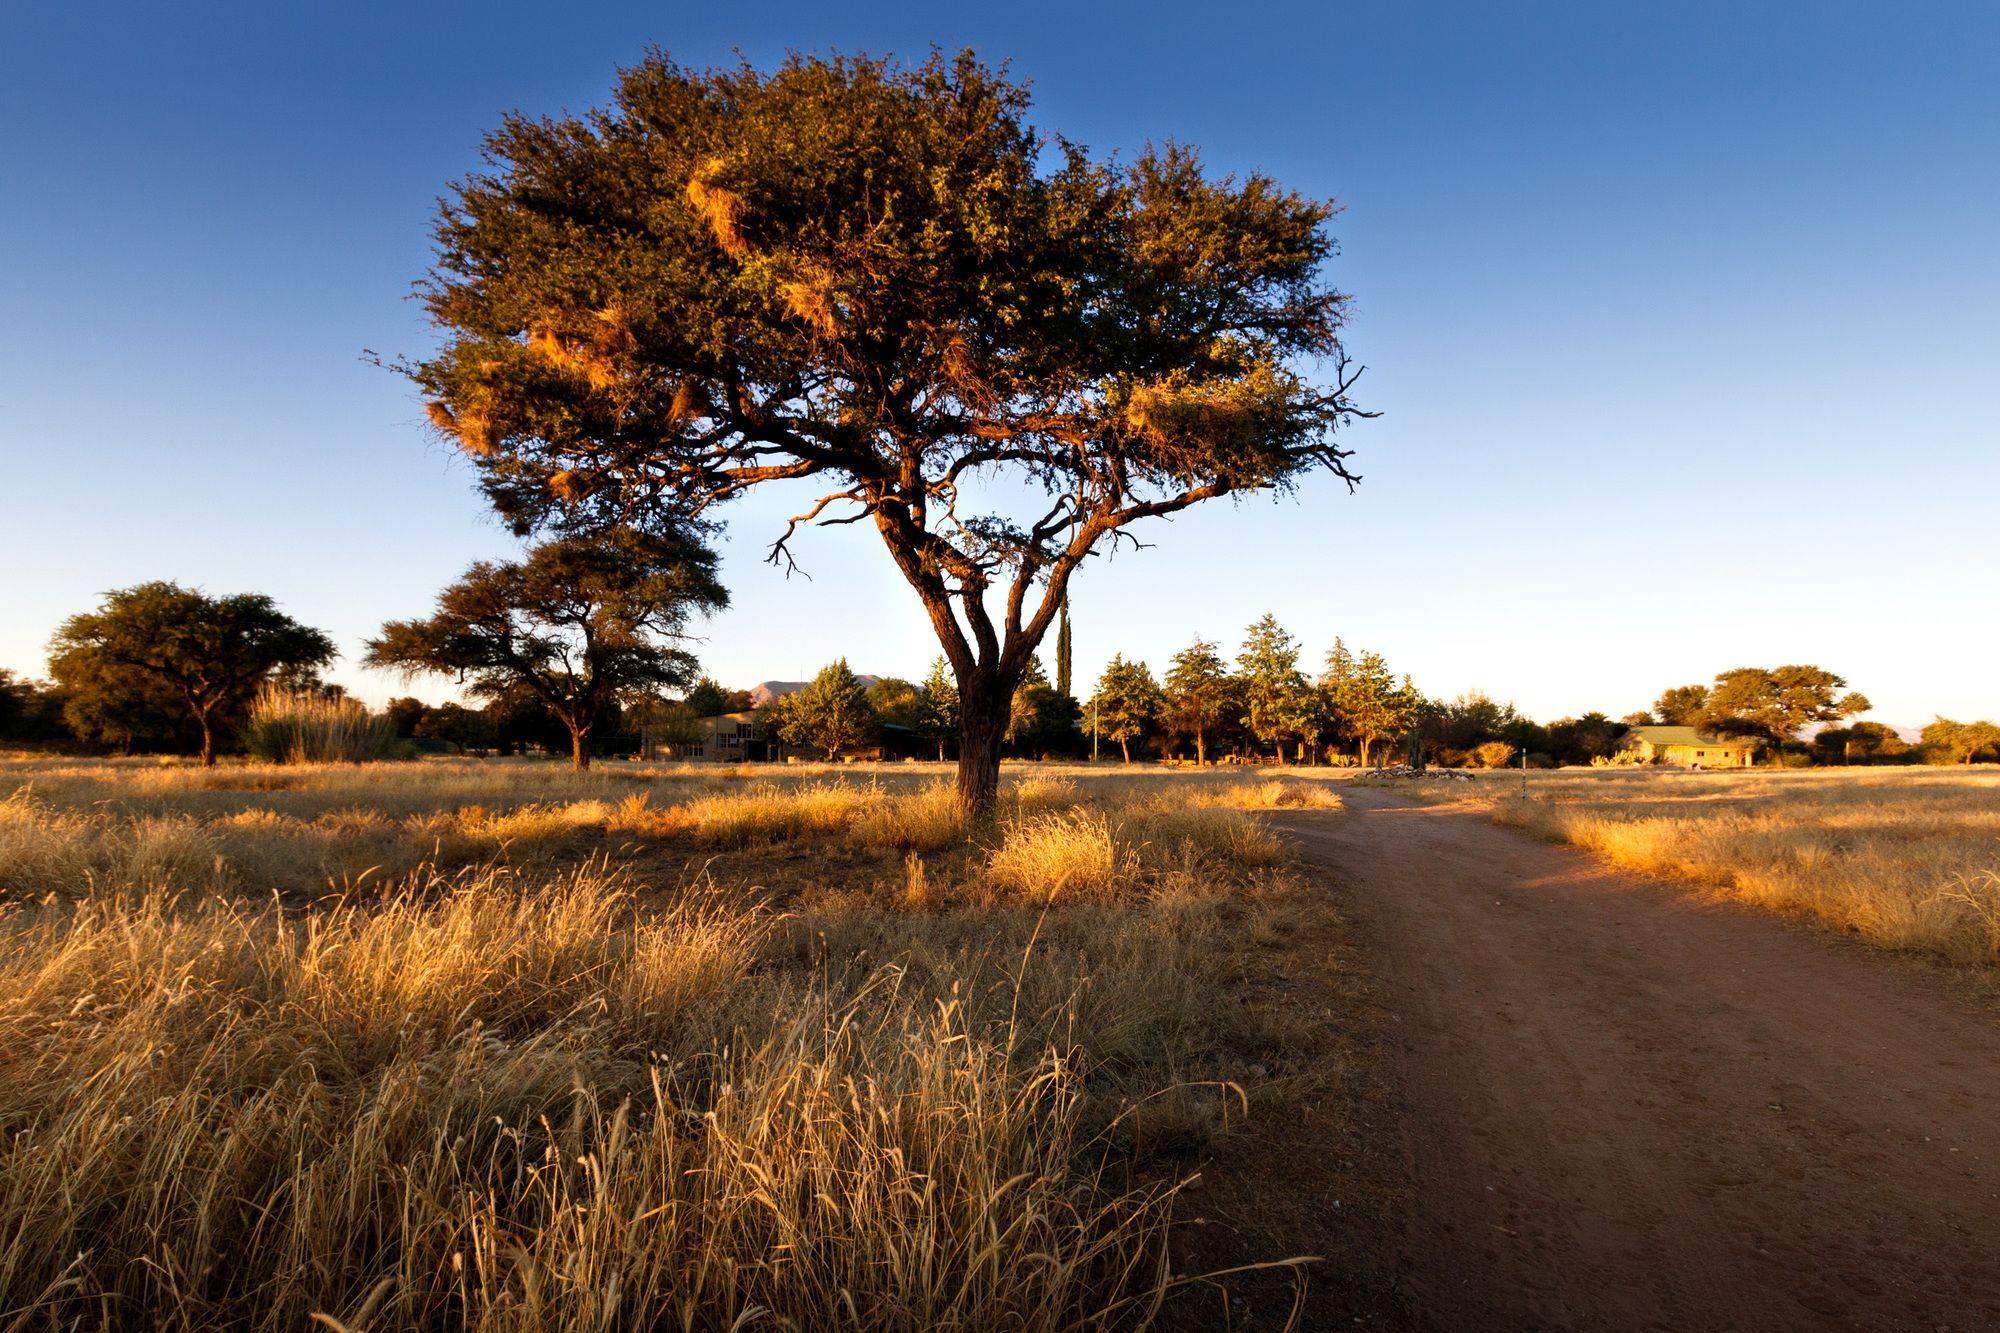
{"type": "Point", "coordinates": [708, 699]}
{"type": "Point", "coordinates": [159, 641]}
{"type": "Point", "coordinates": [1065, 652]}
{"type": "Point", "coordinates": [1128, 703]}
{"type": "Point", "coordinates": [462, 728]}
{"type": "Point", "coordinates": [1869, 742]}
{"type": "Point", "coordinates": [1200, 695]}
{"type": "Point", "coordinates": [405, 714]}
{"type": "Point", "coordinates": [883, 279]}
{"type": "Point", "coordinates": [937, 714]}
{"type": "Point", "coordinates": [831, 714]}
{"type": "Point", "coordinates": [580, 624]}
{"type": "Point", "coordinates": [1364, 703]}
{"type": "Point", "coordinates": [1277, 699]}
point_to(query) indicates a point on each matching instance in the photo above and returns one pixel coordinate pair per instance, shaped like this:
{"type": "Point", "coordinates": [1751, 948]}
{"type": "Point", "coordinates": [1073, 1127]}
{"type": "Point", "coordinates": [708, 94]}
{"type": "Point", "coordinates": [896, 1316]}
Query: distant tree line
{"type": "Point", "coordinates": [575, 648]}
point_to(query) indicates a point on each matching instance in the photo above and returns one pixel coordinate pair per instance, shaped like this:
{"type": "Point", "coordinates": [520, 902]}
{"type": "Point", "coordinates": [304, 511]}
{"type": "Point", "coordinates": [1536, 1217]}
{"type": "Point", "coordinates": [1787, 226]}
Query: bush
{"type": "Point", "coordinates": [290, 727]}
{"type": "Point", "coordinates": [1494, 754]}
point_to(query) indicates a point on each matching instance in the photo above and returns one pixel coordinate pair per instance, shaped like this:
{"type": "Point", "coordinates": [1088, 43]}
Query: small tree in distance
{"type": "Point", "coordinates": [580, 624]}
{"type": "Point", "coordinates": [937, 714]}
{"type": "Point", "coordinates": [884, 279]}
{"type": "Point", "coordinates": [209, 652]}
{"type": "Point", "coordinates": [1128, 703]}
{"type": "Point", "coordinates": [1271, 683]}
{"type": "Point", "coordinates": [1199, 694]}
{"type": "Point", "coordinates": [1961, 742]}
{"type": "Point", "coordinates": [830, 714]}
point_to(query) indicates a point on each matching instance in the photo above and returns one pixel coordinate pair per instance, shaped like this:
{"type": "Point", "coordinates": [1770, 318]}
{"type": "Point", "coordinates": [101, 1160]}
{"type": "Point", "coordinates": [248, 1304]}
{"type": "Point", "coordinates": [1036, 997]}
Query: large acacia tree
{"type": "Point", "coordinates": [581, 624]}
{"type": "Point", "coordinates": [160, 642]}
{"type": "Point", "coordinates": [880, 282]}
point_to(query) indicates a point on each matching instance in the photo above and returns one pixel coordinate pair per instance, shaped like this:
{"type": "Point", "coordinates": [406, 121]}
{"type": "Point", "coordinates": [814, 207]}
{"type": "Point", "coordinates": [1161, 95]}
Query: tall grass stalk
{"type": "Point", "coordinates": [303, 727]}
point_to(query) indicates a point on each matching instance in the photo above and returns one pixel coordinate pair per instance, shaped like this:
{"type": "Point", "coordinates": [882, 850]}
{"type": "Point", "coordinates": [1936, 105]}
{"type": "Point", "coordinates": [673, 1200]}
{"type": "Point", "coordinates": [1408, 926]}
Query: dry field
{"type": "Point", "coordinates": [488, 1044]}
{"type": "Point", "coordinates": [1908, 858]}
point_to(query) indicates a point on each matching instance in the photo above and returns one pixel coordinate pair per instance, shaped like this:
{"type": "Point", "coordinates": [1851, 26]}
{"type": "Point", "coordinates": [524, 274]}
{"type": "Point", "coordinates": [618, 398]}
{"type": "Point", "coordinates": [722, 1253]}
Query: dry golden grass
{"type": "Point", "coordinates": [478, 1065]}
{"type": "Point", "coordinates": [1907, 858]}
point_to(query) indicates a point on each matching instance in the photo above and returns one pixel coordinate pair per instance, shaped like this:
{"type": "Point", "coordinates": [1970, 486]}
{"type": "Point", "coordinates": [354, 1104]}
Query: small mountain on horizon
{"type": "Point", "coordinates": [766, 692]}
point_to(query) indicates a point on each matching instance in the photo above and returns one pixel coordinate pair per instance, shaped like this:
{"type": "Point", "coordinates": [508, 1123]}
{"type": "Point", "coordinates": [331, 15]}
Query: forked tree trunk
{"type": "Point", "coordinates": [984, 705]}
{"type": "Point", "coordinates": [579, 748]}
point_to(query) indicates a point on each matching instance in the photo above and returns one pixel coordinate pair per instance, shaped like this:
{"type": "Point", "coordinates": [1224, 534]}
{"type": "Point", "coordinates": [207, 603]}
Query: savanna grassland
{"type": "Point", "coordinates": [498, 1045]}
{"type": "Point", "coordinates": [1907, 858]}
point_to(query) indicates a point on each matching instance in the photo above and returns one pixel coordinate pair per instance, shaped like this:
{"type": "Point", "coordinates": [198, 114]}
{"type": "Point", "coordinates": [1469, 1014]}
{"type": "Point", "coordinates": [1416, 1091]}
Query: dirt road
{"type": "Point", "coordinates": [1628, 1108]}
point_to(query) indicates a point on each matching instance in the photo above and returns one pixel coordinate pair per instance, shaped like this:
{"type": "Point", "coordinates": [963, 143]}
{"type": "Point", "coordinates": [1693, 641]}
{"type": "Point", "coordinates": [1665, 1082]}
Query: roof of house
{"type": "Point", "coordinates": [1662, 736]}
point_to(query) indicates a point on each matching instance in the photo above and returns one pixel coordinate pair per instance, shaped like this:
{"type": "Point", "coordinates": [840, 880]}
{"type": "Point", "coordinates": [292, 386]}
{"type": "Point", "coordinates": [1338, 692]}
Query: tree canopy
{"type": "Point", "coordinates": [1961, 742]}
{"type": "Point", "coordinates": [1364, 700]}
{"type": "Point", "coordinates": [937, 710]}
{"type": "Point", "coordinates": [1128, 703]}
{"type": "Point", "coordinates": [1200, 695]}
{"type": "Point", "coordinates": [1278, 701]}
{"type": "Point", "coordinates": [882, 278]}
{"type": "Point", "coordinates": [160, 642]}
{"type": "Point", "coordinates": [830, 714]}
{"type": "Point", "coordinates": [581, 623]}
{"type": "Point", "coordinates": [1777, 703]}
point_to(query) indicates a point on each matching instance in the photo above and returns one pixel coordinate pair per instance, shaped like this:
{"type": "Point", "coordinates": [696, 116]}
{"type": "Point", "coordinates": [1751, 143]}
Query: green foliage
{"type": "Point", "coordinates": [1776, 704]}
{"type": "Point", "coordinates": [1584, 740]}
{"type": "Point", "coordinates": [1043, 721]}
{"type": "Point", "coordinates": [1863, 742]}
{"type": "Point", "coordinates": [1363, 701]}
{"type": "Point", "coordinates": [1683, 706]}
{"type": "Point", "coordinates": [158, 647]}
{"type": "Point", "coordinates": [1948, 742]}
{"type": "Point", "coordinates": [709, 699]}
{"type": "Point", "coordinates": [463, 729]}
{"type": "Point", "coordinates": [895, 702]}
{"type": "Point", "coordinates": [1065, 651]}
{"type": "Point", "coordinates": [405, 714]}
{"type": "Point", "coordinates": [831, 714]}
{"type": "Point", "coordinates": [32, 710]}
{"type": "Point", "coordinates": [578, 624]}
{"type": "Point", "coordinates": [1128, 703]}
{"type": "Point", "coordinates": [937, 712]}
{"type": "Point", "coordinates": [884, 277]}
{"type": "Point", "coordinates": [1200, 696]}
{"type": "Point", "coordinates": [1278, 702]}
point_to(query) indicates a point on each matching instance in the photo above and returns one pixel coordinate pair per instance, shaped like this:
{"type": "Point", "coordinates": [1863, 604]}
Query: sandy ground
{"type": "Point", "coordinates": [1615, 1105]}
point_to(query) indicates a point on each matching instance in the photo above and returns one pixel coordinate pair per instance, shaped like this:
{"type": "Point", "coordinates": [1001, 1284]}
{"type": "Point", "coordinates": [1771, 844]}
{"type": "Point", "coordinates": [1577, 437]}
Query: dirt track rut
{"type": "Point", "coordinates": [1626, 1107]}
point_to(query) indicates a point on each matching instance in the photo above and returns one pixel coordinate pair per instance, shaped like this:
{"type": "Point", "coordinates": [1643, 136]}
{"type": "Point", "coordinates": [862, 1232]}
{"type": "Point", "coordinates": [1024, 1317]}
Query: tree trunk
{"type": "Point", "coordinates": [1200, 750]}
{"type": "Point", "coordinates": [579, 748]}
{"type": "Point", "coordinates": [1364, 751]}
{"type": "Point", "coordinates": [984, 704]}
{"type": "Point", "coordinates": [1125, 749]}
{"type": "Point", "coordinates": [940, 749]}
{"type": "Point", "coordinates": [207, 740]}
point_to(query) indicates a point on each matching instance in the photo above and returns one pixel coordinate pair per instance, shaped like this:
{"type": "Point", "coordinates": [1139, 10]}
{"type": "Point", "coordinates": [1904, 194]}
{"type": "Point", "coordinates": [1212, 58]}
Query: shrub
{"type": "Point", "coordinates": [1062, 853]}
{"type": "Point", "coordinates": [294, 727]}
{"type": "Point", "coordinates": [1494, 754]}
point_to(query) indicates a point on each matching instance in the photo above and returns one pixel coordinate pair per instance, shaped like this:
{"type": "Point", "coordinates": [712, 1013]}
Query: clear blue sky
{"type": "Point", "coordinates": [1683, 318]}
